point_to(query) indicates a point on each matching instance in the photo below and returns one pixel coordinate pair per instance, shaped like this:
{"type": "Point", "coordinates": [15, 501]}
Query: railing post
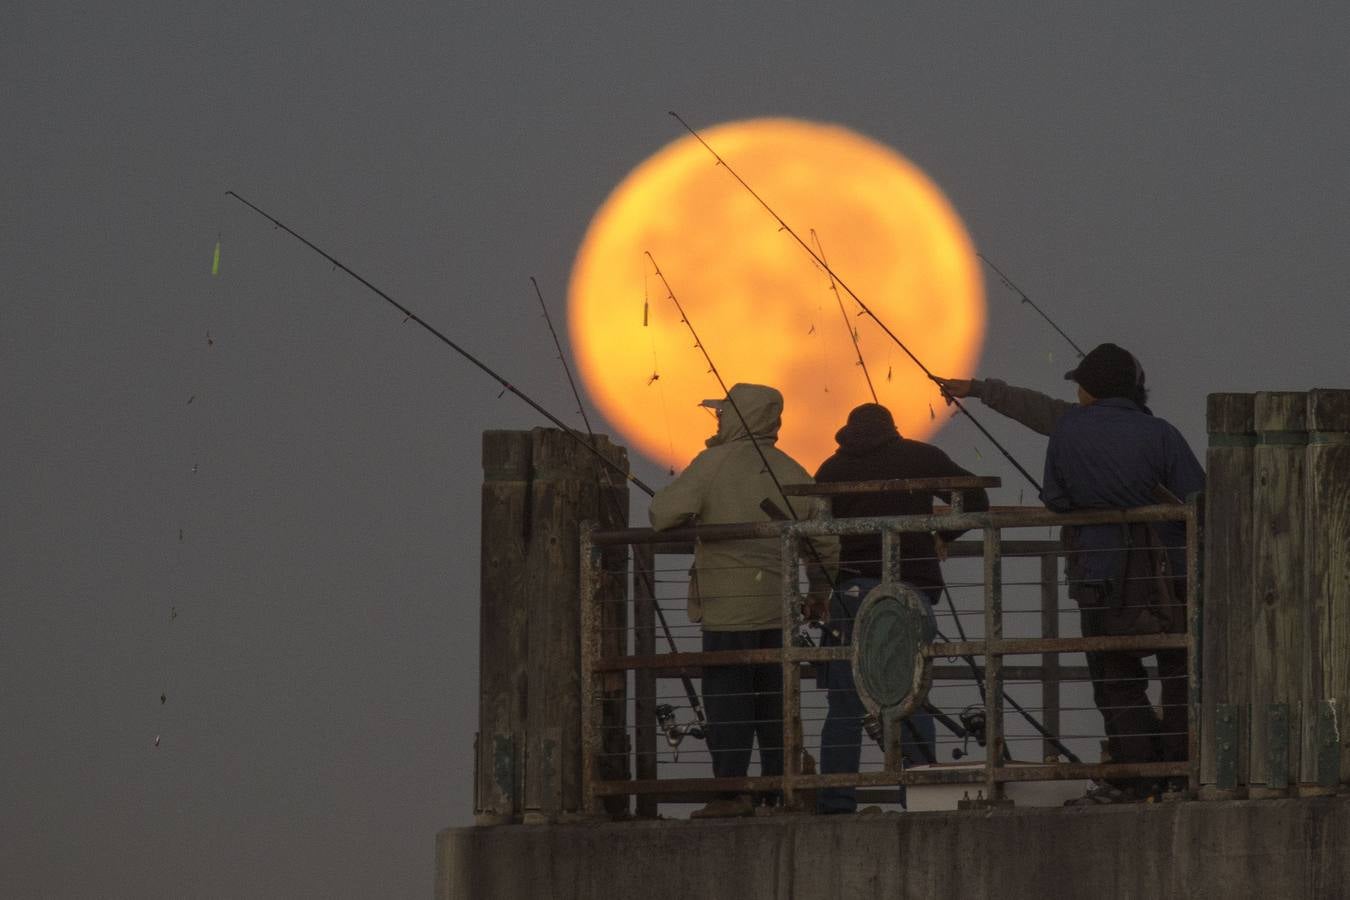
{"type": "Point", "coordinates": [1050, 661]}
{"type": "Point", "coordinates": [892, 728]}
{"type": "Point", "coordinates": [890, 556]}
{"type": "Point", "coordinates": [792, 673]}
{"type": "Point", "coordinates": [993, 663]}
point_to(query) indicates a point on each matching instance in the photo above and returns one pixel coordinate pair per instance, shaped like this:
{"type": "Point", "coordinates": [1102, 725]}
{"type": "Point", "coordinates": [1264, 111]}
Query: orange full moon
{"type": "Point", "coordinates": [762, 307]}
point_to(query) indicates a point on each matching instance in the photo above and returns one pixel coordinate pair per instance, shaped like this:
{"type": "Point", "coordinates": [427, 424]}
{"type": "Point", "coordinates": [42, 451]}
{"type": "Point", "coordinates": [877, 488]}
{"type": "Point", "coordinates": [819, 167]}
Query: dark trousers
{"type": "Point", "coordinates": [1134, 732]}
{"type": "Point", "coordinates": [744, 703]}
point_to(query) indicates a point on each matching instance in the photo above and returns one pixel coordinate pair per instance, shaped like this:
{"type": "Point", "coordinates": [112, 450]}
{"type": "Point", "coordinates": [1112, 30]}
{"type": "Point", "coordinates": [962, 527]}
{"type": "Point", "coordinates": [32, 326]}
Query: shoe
{"type": "Point", "coordinates": [726, 808]}
{"type": "Point", "coordinates": [1101, 794]}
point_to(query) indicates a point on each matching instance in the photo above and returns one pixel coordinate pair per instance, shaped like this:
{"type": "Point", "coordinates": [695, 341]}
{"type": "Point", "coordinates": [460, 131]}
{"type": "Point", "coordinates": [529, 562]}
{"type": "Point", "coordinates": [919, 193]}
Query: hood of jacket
{"type": "Point", "coordinates": [869, 427]}
{"type": "Point", "coordinates": [762, 409]}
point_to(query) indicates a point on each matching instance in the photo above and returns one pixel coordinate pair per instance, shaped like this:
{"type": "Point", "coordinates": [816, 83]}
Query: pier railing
{"type": "Point", "coordinates": [622, 668]}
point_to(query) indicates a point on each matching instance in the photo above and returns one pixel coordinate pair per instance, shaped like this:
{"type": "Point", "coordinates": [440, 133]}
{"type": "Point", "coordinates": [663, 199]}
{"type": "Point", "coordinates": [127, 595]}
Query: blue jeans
{"type": "Point", "coordinates": [841, 736]}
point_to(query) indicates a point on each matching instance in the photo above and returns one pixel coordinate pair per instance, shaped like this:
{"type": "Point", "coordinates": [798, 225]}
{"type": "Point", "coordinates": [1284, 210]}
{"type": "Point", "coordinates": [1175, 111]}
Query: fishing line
{"type": "Point", "coordinates": [848, 323]}
{"type": "Point", "coordinates": [858, 300]}
{"type": "Point", "coordinates": [1032, 303]}
{"type": "Point", "coordinates": [821, 351]}
{"type": "Point", "coordinates": [188, 511]}
{"type": "Point", "coordinates": [656, 377]}
{"type": "Point", "coordinates": [567, 370]}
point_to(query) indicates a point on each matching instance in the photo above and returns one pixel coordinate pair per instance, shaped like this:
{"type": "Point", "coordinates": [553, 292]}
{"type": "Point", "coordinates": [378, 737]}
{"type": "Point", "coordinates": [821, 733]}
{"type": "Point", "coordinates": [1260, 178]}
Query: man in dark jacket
{"type": "Point", "coordinates": [1109, 452]}
{"type": "Point", "coordinates": [871, 449]}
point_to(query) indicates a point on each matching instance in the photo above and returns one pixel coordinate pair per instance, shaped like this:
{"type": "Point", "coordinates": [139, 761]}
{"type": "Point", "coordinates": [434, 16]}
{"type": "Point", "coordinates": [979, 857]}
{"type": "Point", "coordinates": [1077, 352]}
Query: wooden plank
{"type": "Point", "coordinates": [564, 492]}
{"type": "Point", "coordinates": [1328, 565]}
{"type": "Point", "coordinates": [605, 501]}
{"type": "Point", "coordinates": [1281, 644]}
{"type": "Point", "coordinates": [1227, 612]}
{"type": "Point", "coordinates": [644, 682]}
{"type": "Point", "coordinates": [503, 638]}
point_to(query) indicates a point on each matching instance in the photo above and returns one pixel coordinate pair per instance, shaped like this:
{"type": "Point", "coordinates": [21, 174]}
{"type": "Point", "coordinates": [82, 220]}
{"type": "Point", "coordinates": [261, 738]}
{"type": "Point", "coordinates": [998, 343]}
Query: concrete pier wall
{"type": "Point", "coordinates": [1257, 848]}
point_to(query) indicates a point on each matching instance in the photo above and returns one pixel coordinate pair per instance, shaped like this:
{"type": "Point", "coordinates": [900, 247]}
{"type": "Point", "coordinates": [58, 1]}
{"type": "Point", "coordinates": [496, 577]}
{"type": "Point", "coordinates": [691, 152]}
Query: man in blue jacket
{"type": "Point", "coordinates": [1108, 453]}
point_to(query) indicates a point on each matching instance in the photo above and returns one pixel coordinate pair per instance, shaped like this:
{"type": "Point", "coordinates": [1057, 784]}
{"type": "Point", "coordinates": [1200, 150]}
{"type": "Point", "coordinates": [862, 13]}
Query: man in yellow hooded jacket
{"type": "Point", "coordinates": [740, 583]}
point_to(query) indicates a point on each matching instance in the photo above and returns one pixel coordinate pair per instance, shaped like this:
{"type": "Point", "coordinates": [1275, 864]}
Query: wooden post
{"type": "Point", "coordinates": [502, 638]}
{"type": "Point", "coordinates": [1226, 657]}
{"type": "Point", "coordinates": [1328, 559]}
{"type": "Point", "coordinates": [566, 490]}
{"type": "Point", "coordinates": [1281, 644]}
{"type": "Point", "coordinates": [644, 644]}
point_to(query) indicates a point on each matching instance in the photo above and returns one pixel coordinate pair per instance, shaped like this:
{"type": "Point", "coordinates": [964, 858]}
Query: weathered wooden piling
{"type": "Point", "coordinates": [1328, 573]}
{"type": "Point", "coordinates": [1227, 611]}
{"type": "Point", "coordinates": [502, 638]}
{"type": "Point", "coordinates": [1281, 642]}
{"type": "Point", "coordinates": [540, 486]}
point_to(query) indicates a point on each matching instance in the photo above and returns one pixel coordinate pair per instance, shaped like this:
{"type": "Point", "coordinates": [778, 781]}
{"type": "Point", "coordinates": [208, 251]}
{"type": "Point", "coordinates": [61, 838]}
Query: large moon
{"type": "Point", "coordinates": [762, 307]}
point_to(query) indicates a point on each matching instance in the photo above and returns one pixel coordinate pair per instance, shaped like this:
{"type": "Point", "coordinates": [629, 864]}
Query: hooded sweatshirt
{"type": "Point", "coordinates": [740, 583]}
{"type": "Point", "coordinates": [871, 449]}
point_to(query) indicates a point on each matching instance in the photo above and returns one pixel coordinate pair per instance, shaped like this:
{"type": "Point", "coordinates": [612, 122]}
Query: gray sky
{"type": "Point", "coordinates": [1170, 177]}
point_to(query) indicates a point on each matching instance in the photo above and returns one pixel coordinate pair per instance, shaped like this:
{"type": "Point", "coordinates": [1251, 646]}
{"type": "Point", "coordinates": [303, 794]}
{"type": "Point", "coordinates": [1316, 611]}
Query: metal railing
{"type": "Point", "coordinates": [607, 662]}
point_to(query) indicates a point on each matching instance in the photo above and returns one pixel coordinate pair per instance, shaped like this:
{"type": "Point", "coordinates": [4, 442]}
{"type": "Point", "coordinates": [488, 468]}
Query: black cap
{"type": "Point", "coordinates": [1108, 371]}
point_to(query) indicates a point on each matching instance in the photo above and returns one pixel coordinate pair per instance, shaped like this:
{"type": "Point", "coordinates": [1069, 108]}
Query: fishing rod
{"type": "Point", "coordinates": [665, 714]}
{"type": "Point", "coordinates": [977, 675]}
{"type": "Point", "coordinates": [861, 305]}
{"type": "Point", "coordinates": [589, 445]}
{"type": "Point", "coordinates": [768, 506]}
{"type": "Point", "coordinates": [1032, 303]}
{"type": "Point", "coordinates": [848, 324]}
{"type": "Point", "coordinates": [409, 315]}
{"type": "Point", "coordinates": [567, 370]}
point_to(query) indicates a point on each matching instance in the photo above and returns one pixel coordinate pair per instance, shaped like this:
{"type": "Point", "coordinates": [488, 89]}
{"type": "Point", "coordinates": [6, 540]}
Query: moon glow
{"type": "Point", "coordinates": [762, 307]}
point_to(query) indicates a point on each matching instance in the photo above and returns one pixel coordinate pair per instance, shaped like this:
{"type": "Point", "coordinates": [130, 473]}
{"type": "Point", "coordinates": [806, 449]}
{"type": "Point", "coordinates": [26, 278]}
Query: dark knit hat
{"type": "Point", "coordinates": [867, 425]}
{"type": "Point", "coordinates": [1108, 371]}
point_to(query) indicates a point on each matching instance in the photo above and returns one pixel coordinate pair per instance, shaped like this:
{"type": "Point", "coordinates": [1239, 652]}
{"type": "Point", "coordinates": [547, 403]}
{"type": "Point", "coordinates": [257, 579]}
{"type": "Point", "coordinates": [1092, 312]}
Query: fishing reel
{"type": "Point", "coordinates": [975, 724]}
{"type": "Point", "coordinates": [674, 731]}
{"type": "Point", "coordinates": [801, 637]}
{"type": "Point", "coordinates": [872, 725]}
